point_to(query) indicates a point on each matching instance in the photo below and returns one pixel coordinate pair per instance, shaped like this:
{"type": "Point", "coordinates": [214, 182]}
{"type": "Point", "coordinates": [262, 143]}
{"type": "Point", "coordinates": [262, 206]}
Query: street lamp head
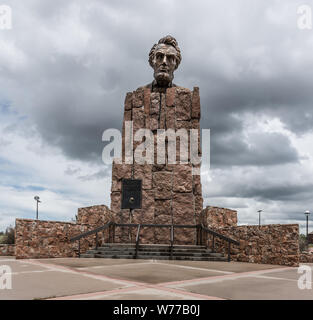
{"type": "Point", "coordinates": [307, 212]}
{"type": "Point", "coordinates": [36, 198]}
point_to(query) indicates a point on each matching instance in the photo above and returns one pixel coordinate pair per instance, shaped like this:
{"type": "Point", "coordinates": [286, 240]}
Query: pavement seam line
{"type": "Point", "coordinates": [225, 277]}
{"type": "Point", "coordinates": [100, 294]}
{"type": "Point", "coordinates": [33, 271]}
{"type": "Point", "coordinates": [195, 268]}
{"type": "Point", "coordinates": [277, 278]}
{"type": "Point", "coordinates": [95, 294]}
{"type": "Point", "coordinates": [115, 265]}
{"type": "Point", "coordinates": [78, 272]}
{"type": "Point", "coordinates": [183, 292]}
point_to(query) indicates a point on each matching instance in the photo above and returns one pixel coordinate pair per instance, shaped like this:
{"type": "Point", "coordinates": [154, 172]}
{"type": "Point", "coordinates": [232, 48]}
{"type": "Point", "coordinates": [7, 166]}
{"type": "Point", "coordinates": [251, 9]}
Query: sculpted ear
{"type": "Point", "coordinates": [177, 62]}
{"type": "Point", "coordinates": [151, 56]}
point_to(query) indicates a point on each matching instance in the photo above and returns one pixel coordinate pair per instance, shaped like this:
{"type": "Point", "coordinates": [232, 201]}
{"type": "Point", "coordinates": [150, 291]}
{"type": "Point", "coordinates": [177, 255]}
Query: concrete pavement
{"type": "Point", "coordinates": [114, 279]}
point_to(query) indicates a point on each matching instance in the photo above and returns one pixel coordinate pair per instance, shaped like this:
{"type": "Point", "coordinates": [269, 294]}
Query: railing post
{"type": "Point", "coordinates": [113, 239]}
{"type": "Point", "coordinates": [201, 235]}
{"type": "Point", "coordinates": [170, 235]}
{"type": "Point", "coordinates": [213, 243]}
{"type": "Point", "coordinates": [79, 248]}
{"type": "Point", "coordinates": [228, 251]}
{"type": "Point", "coordinates": [172, 241]}
{"type": "Point", "coordinates": [96, 240]}
{"type": "Point", "coordinates": [198, 235]}
{"type": "Point", "coordinates": [137, 241]}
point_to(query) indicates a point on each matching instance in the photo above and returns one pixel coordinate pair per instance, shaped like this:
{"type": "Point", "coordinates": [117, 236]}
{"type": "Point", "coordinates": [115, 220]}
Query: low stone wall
{"type": "Point", "coordinates": [268, 244]}
{"type": "Point", "coordinates": [215, 217]}
{"type": "Point", "coordinates": [306, 257]}
{"type": "Point", "coordinates": [51, 239]}
{"type": "Point", "coordinates": [45, 239]}
{"type": "Point", "coordinates": [94, 215]}
{"type": "Point", "coordinates": [7, 250]}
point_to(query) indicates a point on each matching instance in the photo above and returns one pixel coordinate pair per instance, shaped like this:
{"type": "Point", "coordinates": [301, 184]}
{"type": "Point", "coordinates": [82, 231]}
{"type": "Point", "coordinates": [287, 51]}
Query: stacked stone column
{"type": "Point", "coordinates": [171, 194]}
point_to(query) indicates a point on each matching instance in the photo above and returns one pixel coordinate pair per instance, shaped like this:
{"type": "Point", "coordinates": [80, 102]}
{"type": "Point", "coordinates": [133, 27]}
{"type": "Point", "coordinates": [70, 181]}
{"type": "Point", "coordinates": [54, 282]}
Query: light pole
{"type": "Point", "coordinates": [37, 199]}
{"type": "Point", "coordinates": [307, 226]}
{"type": "Point", "coordinates": [259, 211]}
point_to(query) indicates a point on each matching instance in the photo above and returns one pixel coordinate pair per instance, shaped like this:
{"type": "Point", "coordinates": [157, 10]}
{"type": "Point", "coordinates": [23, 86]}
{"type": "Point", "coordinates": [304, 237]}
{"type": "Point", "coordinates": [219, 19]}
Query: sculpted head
{"type": "Point", "coordinates": [164, 58]}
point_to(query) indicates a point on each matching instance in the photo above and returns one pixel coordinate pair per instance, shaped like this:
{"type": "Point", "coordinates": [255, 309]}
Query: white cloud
{"type": "Point", "coordinates": [30, 167]}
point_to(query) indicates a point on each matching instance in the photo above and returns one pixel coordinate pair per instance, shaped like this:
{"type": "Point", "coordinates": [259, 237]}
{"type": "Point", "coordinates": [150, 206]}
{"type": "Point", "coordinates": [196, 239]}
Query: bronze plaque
{"type": "Point", "coordinates": [131, 194]}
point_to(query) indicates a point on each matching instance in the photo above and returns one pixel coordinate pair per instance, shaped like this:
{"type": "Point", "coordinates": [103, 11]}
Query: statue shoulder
{"type": "Point", "coordinates": [147, 86]}
{"type": "Point", "coordinates": [151, 87]}
{"type": "Point", "coordinates": [182, 89]}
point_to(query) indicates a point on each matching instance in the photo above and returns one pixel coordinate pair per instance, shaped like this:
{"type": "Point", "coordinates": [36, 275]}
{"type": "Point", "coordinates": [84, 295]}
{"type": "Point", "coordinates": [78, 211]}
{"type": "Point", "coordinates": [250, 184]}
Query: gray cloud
{"type": "Point", "coordinates": [265, 150]}
{"type": "Point", "coordinates": [66, 67]}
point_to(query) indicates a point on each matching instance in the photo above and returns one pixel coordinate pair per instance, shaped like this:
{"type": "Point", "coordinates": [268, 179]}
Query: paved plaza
{"type": "Point", "coordinates": [114, 279]}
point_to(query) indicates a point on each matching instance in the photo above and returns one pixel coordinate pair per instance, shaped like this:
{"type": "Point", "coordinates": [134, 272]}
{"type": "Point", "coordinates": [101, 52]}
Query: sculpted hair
{"type": "Point", "coordinates": [169, 40]}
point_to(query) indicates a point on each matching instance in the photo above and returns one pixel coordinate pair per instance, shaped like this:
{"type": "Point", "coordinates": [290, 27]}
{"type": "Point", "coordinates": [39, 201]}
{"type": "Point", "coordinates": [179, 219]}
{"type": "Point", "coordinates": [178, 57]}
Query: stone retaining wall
{"type": "Point", "coordinates": [94, 215]}
{"type": "Point", "coordinates": [215, 217]}
{"type": "Point", "coordinates": [7, 250]}
{"type": "Point", "coordinates": [306, 257]}
{"type": "Point", "coordinates": [51, 239]}
{"type": "Point", "coordinates": [268, 244]}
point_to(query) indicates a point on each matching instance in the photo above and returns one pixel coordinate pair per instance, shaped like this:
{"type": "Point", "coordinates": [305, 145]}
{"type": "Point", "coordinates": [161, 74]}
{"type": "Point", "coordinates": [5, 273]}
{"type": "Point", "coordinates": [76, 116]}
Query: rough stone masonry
{"type": "Point", "coordinates": [171, 194]}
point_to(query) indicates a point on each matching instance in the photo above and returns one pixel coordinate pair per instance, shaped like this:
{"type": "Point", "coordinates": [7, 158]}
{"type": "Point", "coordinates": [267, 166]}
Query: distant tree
{"type": "Point", "coordinates": [9, 236]}
{"type": "Point", "coordinates": [302, 242]}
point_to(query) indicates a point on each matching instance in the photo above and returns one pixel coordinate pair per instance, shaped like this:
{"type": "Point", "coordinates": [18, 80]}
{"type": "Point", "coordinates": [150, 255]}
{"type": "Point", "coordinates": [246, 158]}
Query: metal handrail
{"type": "Point", "coordinates": [216, 234]}
{"type": "Point", "coordinates": [221, 236]}
{"type": "Point", "coordinates": [172, 240]}
{"type": "Point", "coordinates": [137, 240]}
{"type": "Point", "coordinates": [155, 225]}
{"type": "Point", "coordinates": [88, 233]}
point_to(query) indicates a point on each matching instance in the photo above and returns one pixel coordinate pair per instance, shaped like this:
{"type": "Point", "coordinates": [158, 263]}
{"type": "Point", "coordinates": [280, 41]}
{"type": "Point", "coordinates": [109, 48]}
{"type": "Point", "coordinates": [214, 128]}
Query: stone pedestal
{"type": "Point", "coordinates": [171, 194]}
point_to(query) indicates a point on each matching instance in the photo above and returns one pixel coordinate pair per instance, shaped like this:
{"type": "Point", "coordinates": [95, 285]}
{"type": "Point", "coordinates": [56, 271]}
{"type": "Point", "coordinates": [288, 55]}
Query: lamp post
{"type": "Point", "coordinates": [259, 211]}
{"type": "Point", "coordinates": [37, 199]}
{"type": "Point", "coordinates": [307, 225]}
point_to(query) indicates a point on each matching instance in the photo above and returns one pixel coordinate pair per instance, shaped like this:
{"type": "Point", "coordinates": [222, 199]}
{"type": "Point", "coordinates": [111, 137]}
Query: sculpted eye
{"type": "Point", "coordinates": [159, 56]}
{"type": "Point", "coordinates": [171, 59]}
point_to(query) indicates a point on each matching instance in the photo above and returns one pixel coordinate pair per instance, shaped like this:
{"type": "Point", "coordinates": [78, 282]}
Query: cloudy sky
{"type": "Point", "coordinates": [65, 67]}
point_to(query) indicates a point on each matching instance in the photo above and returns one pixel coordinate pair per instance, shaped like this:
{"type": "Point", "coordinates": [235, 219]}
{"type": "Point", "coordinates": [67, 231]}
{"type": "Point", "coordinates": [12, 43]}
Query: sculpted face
{"type": "Point", "coordinates": [164, 64]}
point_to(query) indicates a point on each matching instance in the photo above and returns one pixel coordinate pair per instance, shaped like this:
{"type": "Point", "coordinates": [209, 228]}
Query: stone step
{"type": "Point", "coordinates": [133, 245]}
{"type": "Point", "coordinates": [153, 257]}
{"type": "Point", "coordinates": [163, 249]}
{"type": "Point", "coordinates": [155, 253]}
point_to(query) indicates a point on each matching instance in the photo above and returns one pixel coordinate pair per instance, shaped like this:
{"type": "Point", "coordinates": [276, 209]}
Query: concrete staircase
{"type": "Point", "coordinates": [154, 251]}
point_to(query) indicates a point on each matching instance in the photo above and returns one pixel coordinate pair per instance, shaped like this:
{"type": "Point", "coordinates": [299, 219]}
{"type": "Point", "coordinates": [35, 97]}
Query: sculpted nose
{"type": "Point", "coordinates": [164, 60]}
